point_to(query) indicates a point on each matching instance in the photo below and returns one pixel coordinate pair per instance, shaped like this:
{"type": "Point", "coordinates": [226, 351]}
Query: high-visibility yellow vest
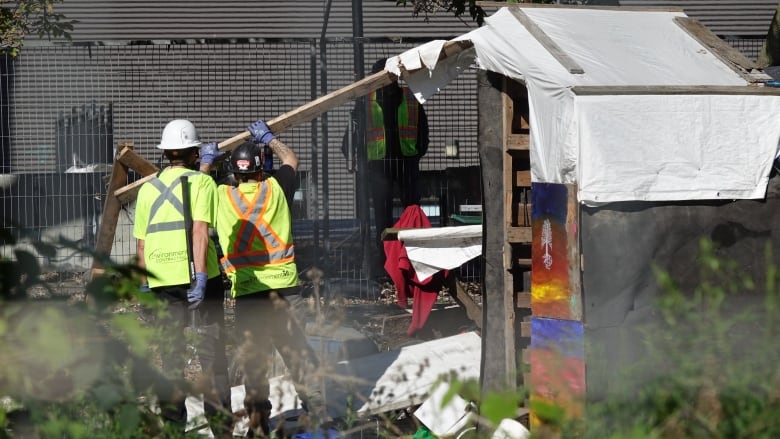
{"type": "Point", "coordinates": [408, 116]}
{"type": "Point", "coordinates": [255, 233]}
{"type": "Point", "coordinates": [159, 221]}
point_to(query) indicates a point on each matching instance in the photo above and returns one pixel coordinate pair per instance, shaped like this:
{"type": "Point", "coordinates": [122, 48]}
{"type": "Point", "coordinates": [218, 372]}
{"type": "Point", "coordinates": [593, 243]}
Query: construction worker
{"type": "Point", "coordinates": [396, 139]}
{"type": "Point", "coordinates": [254, 226]}
{"type": "Point", "coordinates": [168, 254]}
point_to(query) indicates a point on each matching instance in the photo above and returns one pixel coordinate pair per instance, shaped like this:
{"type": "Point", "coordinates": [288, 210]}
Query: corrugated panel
{"type": "Point", "coordinates": [207, 19]}
{"type": "Point", "coordinates": [723, 17]}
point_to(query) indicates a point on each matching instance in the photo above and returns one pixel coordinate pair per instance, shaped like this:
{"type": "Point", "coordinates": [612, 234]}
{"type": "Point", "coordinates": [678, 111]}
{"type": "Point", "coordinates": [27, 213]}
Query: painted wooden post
{"type": "Point", "coordinates": [557, 351]}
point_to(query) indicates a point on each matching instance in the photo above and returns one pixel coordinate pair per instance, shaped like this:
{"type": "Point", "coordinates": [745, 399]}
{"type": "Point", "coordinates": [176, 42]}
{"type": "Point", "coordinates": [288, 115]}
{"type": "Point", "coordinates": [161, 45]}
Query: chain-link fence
{"type": "Point", "coordinates": [749, 46]}
{"type": "Point", "coordinates": [64, 110]}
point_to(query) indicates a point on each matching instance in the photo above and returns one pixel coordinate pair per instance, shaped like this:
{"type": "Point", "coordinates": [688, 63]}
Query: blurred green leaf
{"type": "Point", "coordinates": [498, 406]}
{"type": "Point", "coordinates": [548, 412]}
{"type": "Point", "coordinates": [107, 396]}
{"type": "Point", "coordinates": [136, 334]}
{"type": "Point", "coordinates": [129, 420]}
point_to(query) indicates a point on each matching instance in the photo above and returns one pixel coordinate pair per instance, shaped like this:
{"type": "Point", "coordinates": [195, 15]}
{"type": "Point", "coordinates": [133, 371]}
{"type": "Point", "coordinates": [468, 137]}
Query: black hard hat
{"type": "Point", "coordinates": [246, 159]}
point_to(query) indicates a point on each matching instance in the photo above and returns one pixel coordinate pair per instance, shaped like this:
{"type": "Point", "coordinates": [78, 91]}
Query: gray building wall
{"type": "Point", "coordinates": [745, 18]}
{"type": "Point", "coordinates": [197, 19]}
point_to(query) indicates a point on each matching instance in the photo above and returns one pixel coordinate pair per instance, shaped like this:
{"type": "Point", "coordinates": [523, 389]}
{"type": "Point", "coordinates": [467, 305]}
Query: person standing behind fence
{"type": "Point", "coordinates": [396, 139]}
{"type": "Point", "coordinates": [162, 250]}
{"type": "Point", "coordinates": [254, 225]}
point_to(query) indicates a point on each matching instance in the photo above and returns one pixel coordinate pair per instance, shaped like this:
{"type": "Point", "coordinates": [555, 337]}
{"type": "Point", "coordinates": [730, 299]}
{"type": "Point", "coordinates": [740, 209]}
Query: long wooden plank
{"type": "Point", "coordinates": [573, 251]}
{"type": "Point", "coordinates": [108, 221]}
{"type": "Point", "coordinates": [518, 235]}
{"type": "Point", "coordinates": [591, 90]}
{"type": "Point", "coordinates": [473, 310]}
{"type": "Point", "coordinates": [311, 110]}
{"type": "Point", "coordinates": [541, 36]}
{"type": "Point", "coordinates": [722, 50]}
{"type": "Point", "coordinates": [523, 299]}
{"type": "Point", "coordinates": [498, 365]}
{"type": "Point", "coordinates": [518, 142]}
{"type": "Point", "coordinates": [128, 193]}
{"type": "Point", "coordinates": [135, 162]}
{"type": "Point", "coordinates": [494, 4]}
{"type": "Point", "coordinates": [523, 178]}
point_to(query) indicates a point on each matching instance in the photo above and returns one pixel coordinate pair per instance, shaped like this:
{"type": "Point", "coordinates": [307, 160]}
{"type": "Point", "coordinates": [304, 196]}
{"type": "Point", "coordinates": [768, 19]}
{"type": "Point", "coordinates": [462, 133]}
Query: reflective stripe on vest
{"type": "Point", "coordinates": [241, 254]}
{"type": "Point", "coordinates": [408, 115]}
{"type": "Point", "coordinates": [166, 194]}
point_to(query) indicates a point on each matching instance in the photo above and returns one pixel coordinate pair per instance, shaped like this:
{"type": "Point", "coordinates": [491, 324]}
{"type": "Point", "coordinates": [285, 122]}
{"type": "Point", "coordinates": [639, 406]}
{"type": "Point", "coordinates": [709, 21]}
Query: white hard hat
{"type": "Point", "coordinates": [179, 134]}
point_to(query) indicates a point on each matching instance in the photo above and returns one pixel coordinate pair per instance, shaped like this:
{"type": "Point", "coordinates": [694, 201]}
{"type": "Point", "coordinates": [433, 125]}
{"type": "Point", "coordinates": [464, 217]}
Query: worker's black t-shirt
{"type": "Point", "coordinates": [288, 180]}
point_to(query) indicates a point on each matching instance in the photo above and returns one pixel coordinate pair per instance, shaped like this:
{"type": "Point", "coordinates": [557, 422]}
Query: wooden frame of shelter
{"type": "Point", "coordinates": [513, 229]}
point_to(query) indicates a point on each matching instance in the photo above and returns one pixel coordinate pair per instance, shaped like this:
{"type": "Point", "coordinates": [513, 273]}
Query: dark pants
{"type": "Point", "coordinates": [382, 175]}
{"type": "Point", "coordinates": [210, 347]}
{"type": "Point", "coordinates": [264, 321]}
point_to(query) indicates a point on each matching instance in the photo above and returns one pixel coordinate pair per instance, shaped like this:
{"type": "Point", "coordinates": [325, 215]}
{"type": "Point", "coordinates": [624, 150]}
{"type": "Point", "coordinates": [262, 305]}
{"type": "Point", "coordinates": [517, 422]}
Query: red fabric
{"type": "Point", "coordinates": [400, 270]}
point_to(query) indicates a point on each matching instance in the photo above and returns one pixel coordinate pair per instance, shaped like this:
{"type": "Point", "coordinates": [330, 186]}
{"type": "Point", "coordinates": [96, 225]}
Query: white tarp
{"type": "Point", "coordinates": [440, 248]}
{"type": "Point", "coordinates": [621, 147]}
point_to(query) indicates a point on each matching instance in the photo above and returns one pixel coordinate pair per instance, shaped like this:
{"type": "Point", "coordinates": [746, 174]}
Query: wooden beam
{"type": "Point", "coordinates": [722, 50]}
{"type": "Point", "coordinates": [494, 4]}
{"type": "Point", "coordinates": [311, 110]}
{"type": "Point", "coordinates": [523, 178]}
{"type": "Point", "coordinates": [135, 162]}
{"type": "Point", "coordinates": [391, 233]}
{"type": "Point", "coordinates": [525, 329]}
{"type": "Point", "coordinates": [573, 251]}
{"type": "Point", "coordinates": [523, 299]}
{"type": "Point", "coordinates": [499, 361]}
{"type": "Point", "coordinates": [592, 90]}
{"type": "Point", "coordinates": [108, 221]}
{"type": "Point", "coordinates": [518, 235]}
{"type": "Point", "coordinates": [541, 36]}
{"type": "Point", "coordinates": [128, 193]}
{"type": "Point", "coordinates": [458, 292]}
{"type": "Point", "coordinates": [518, 142]}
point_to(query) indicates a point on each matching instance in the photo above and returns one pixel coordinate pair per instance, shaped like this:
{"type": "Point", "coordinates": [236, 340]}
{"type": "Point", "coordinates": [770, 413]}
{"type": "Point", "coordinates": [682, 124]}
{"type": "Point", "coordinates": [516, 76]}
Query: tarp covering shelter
{"type": "Point", "coordinates": [625, 103]}
{"type": "Point", "coordinates": [643, 130]}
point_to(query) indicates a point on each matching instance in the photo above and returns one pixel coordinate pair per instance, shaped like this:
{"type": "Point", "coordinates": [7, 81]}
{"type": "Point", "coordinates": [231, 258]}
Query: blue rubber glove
{"type": "Point", "coordinates": [196, 294]}
{"type": "Point", "coordinates": [261, 132]}
{"type": "Point", "coordinates": [209, 152]}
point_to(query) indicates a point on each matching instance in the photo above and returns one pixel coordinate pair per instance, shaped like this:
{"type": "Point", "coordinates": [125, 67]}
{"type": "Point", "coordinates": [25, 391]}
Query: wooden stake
{"type": "Point", "coordinates": [111, 208]}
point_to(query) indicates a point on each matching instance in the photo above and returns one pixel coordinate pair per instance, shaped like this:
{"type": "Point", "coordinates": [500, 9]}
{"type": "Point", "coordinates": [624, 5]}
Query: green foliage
{"type": "Point", "coordinates": [21, 18]}
{"type": "Point", "coordinates": [710, 363]}
{"type": "Point", "coordinates": [456, 7]}
{"type": "Point", "coordinates": [75, 368]}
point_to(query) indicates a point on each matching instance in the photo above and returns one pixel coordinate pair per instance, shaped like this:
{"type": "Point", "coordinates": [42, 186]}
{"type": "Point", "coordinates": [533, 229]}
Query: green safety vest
{"type": "Point", "coordinates": [255, 233]}
{"type": "Point", "coordinates": [160, 223]}
{"type": "Point", "coordinates": [408, 116]}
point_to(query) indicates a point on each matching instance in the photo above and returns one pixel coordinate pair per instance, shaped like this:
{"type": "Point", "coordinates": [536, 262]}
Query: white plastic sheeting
{"type": "Point", "coordinates": [661, 147]}
{"type": "Point", "coordinates": [440, 248]}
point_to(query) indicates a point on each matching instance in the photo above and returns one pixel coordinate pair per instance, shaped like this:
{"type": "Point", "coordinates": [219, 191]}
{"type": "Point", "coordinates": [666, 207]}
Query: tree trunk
{"type": "Point", "coordinates": [770, 53]}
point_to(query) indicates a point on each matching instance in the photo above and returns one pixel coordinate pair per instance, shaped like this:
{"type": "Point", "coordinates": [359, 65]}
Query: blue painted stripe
{"type": "Point", "coordinates": [564, 336]}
